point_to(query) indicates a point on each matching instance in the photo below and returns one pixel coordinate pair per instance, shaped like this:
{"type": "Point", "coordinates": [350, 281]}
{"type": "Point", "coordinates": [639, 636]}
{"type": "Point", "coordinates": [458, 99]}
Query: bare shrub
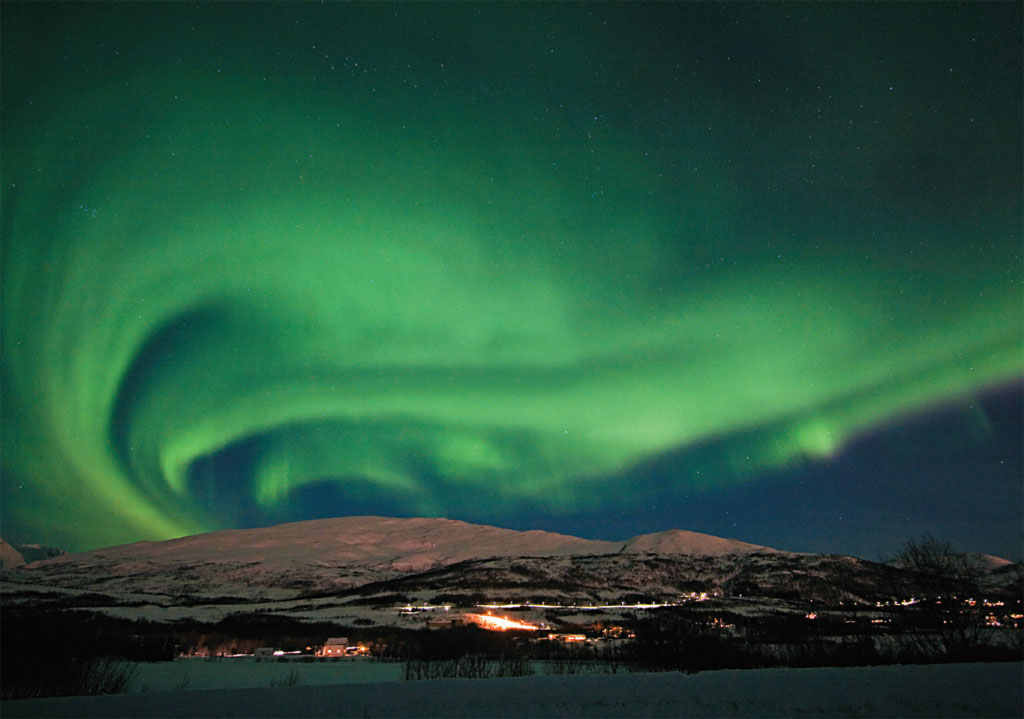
{"type": "Point", "coordinates": [472, 666]}
{"type": "Point", "coordinates": [72, 676]}
{"type": "Point", "coordinates": [291, 679]}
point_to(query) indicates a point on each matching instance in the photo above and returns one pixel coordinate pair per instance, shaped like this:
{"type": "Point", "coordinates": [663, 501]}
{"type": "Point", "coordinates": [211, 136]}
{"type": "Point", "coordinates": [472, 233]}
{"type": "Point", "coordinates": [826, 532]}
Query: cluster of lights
{"type": "Point", "coordinates": [692, 597]}
{"type": "Point", "coordinates": [501, 624]}
{"type": "Point", "coordinates": [410, 609]}
{"type": "Point", "coordinates": [566, 638]}
{"type": "Point", "coordinates": [900, 603]}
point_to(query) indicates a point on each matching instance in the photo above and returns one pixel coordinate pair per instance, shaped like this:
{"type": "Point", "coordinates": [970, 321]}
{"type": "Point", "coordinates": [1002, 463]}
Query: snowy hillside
{"type": "Point", "coordinates": [678, 541]}
{"type": "Point", "coordinates": [607, 579]}
{"type": "Point", "coordinates": [402, 544]}
{"type": "Point", "coordinates": [942, 690]}
{"type": "Point", "coordinates": [362, 569]}
{"type": "Point", "coordinates": [9, 556]}
{"type": "Point", "coordinates": [330, 555]}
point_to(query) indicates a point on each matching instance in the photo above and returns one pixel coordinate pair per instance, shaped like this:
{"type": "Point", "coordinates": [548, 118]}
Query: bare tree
{"type": "Point", "coordinates": [937, 559]}
{"type": "Point", "coordinates": [956, 620]}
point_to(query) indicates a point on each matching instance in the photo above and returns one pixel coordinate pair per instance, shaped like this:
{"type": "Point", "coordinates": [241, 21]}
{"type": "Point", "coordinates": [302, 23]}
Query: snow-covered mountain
{"type": "Point", "coordinates": [333, 554]}
{"type": "Point", "coordinates": [37, 552]}
{"type": "Point", "coordinates": [360, 568]}
{"type": "Point", "coordinates": [679, 541]}
{"type": "Point", "coordinates": [401, 544]}
{"type": "Point", "coordinates": [9, 556]}
{"type": "Point", "coordinates": [381, 542]}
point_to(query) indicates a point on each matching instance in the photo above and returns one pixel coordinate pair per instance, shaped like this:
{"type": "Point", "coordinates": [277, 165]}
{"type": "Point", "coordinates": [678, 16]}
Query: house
{"type": "Point", "coordinates": [333, 647]}
{"type": "Point", "coordinates": [264, 652]}
{"type": "Point", "coordinates": [566, 638]}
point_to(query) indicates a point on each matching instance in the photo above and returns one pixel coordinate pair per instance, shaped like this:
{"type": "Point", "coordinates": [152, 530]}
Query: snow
{"type": "Point", "coordinates": [679, 541]}
{"type": "Point", "coordinates": [986, 563]}
{"type": "Point", "coordinates": [196, 674]}
{"type": "Point", "coordinates": [313, 570]}
{"type": "Point", "coordinates": [325, 555]}
{"type": "Point", "coordinates": [375, 541]}
{"type": "Point", "coordinates": [946, 690]}
{"type": "Point", "coordinates": [383, 542]}
{"type": "Point", "coordinates": [9, 556]}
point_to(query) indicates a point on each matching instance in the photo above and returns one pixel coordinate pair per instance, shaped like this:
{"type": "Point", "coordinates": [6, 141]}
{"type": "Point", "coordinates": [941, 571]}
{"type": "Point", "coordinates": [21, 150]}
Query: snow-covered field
{"type": "Point", "coordinates": [947, 690]}
{"type": "Point", "coordinates": [247, 673]}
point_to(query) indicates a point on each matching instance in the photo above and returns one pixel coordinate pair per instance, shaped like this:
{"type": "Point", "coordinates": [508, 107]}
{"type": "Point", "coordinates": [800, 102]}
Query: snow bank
{"type": "Point", "coordinates": [949, 690]}
{"type": "Point", "coordinates": [245, 673]}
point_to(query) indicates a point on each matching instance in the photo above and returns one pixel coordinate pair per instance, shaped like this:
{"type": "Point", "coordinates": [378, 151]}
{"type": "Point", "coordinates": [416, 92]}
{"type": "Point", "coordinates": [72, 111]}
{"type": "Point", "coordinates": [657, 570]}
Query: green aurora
{"type": "Point", "coordinates": [486, 255]}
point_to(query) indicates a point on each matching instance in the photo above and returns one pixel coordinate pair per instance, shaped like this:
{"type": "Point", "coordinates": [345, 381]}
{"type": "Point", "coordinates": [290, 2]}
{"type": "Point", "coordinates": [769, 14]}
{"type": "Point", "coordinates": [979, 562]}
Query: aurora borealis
{"type": "Point", "coordinates": [598, 268]}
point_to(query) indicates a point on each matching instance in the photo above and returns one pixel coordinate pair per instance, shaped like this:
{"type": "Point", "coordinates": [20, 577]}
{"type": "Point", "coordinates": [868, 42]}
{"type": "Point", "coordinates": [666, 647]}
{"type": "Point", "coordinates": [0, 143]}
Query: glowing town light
{"type": "Point", "coordinates": [500, 624]}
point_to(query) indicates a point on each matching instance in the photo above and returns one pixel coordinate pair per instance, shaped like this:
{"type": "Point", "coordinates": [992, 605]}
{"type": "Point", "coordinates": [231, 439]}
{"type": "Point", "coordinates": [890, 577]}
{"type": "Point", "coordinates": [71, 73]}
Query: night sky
{"type": "Point", "coordinates": [747, 269]}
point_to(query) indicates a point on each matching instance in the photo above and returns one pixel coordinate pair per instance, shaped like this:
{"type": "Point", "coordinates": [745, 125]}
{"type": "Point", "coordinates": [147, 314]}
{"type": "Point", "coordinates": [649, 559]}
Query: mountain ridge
{"type": "Point", "coordinates": [334, 555]}
{"type": "Point", "coordinates": [405, 544]}
{"type": "Point", "coordinates": [10, 557]}
{"type": "Point", "coordinates": [349, 569]}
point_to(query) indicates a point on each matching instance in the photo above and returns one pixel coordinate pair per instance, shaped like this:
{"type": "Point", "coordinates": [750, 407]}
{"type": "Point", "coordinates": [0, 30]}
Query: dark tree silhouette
{"type": "Point", "coordinates": [937, 559]}
{"type": "Point", "coordinates": [956, 620]}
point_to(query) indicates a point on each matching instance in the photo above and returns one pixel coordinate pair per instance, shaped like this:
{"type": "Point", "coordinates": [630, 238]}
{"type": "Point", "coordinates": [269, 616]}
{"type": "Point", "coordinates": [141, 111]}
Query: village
{"type": "Point", "coordinates": [602, 630]}
{"type": "Point", "coordinates": [439, 618]}
{"type": "Point", "coordinates": [396, 639]}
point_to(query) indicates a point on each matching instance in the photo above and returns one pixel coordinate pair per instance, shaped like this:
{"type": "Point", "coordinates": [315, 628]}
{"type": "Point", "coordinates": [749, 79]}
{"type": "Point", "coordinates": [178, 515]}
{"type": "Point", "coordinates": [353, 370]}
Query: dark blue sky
{"type": "Point", "coordinates": [752, 269]}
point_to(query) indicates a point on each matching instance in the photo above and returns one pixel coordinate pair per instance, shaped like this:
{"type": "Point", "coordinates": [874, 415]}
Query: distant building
{"type": "Point", "coordinates": [264, 652]}
{"type": "Point", "coordinates": [567, 638]}
{"type": "Point", "coordinates": [446, 622]}
{"type": "Point", "coordinates": [333, 647]}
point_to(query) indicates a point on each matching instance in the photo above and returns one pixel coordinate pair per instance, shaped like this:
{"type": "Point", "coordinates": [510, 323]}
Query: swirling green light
{"type": "Point", "coordinates": [402, 295]}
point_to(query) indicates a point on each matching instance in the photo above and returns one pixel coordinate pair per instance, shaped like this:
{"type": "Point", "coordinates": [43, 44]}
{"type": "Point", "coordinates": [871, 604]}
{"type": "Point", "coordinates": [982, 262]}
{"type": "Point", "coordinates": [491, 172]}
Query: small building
{"type": "Point", "coordinates": [567, 638]}
{"type": "Point", "coordinates": [264, 652]}
{"type": "Point", "coordinates": [333, 647]}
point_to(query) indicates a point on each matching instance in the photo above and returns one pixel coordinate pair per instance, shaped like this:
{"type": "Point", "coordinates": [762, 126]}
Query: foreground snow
{"type": "Point", "coordinates": [199, 674]}
{"type": "Point", "coordinates": [247, 673]}
{"type": "Point", "coordinates": [948, 690]}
